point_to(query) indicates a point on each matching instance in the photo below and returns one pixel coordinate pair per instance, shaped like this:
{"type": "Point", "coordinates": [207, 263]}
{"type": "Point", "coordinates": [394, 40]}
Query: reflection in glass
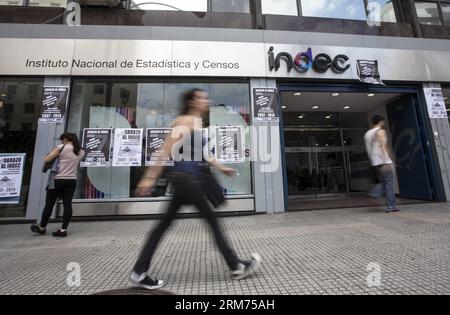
{"type": "Point", "coordinates": [428, 13]}
{"type": "Point", "coordinates": [341, 9]}
{"type": "Point", "coordinates": [387, 11]}
{"type": "Point", "coordinates": [20, 101]}
{"type": "Point", "coordinates": [280, 7]}
{"type": "Point", "coordinates": [12, 2]}
{"type": "Point", "coordinates": [48, 3]}
{"type": "Point", "coordinates": [150, 105]}
{"type": "Point", "coordinates": [446, 13]}
{"type": "Point", "coordinates": [234, 6]}
{"type": "Point", "coordinates": [171, 5]}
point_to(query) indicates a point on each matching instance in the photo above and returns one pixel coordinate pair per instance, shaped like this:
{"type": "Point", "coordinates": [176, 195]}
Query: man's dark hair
{"type": "Point", "coordinates": [377, 119]}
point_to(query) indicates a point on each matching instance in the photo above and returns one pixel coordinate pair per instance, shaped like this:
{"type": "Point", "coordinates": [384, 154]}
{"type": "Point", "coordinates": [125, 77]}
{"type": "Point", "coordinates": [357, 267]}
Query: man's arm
{"type": "Point", "coordinates": [382, 137]}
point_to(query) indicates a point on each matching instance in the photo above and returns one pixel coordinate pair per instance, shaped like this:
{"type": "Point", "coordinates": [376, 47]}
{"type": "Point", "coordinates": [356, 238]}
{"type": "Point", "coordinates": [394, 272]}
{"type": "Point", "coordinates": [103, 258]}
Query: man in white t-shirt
{"type": "Point", "coordinates": [377, 146]}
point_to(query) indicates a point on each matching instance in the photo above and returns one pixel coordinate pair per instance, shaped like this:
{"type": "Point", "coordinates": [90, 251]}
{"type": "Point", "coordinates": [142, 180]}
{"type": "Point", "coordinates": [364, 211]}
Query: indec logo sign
{"type": "Point", "coordinates": [304, 61]}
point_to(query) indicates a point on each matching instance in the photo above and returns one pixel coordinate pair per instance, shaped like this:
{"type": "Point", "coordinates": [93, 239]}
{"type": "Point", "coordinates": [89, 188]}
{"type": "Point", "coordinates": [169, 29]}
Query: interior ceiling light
{"type": "Point", "coordinates": [283, 107]}
{"type": "Point", "coordinates": [371, 94]}
{"type": "Point", "coordinates": [297, 94]}
{"type": "Point", "coordinates": [315, 107]}
{"type": "Point", "coordinates": [328, 117]}
{"type": "Point", "coordinates": [335, 94]}
{"type": "Point", "coordinates": [346, 107]}
{"type": "Point", "coordinates": [301, 117]}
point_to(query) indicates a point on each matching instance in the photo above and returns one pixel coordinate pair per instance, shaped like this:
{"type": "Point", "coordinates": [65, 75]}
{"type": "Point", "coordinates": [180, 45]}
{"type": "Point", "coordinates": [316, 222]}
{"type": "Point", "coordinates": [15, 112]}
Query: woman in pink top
{"type": "Point", "coordinates": [64, 184]}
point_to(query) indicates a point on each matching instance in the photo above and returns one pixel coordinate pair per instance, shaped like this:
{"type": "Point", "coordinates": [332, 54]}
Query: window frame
{"type": "Point", "coordinates": [163, 80]}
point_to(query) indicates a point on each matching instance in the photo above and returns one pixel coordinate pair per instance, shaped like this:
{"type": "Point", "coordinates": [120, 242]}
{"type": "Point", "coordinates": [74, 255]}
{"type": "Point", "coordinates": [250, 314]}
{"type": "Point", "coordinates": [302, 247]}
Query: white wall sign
{"type": "Point", "coordinates": [23, 56]}
{"type": "Point", "coordinates": [11, 174]}
{"type": "Point", "coordinates": [127, 149]}
{"type": "Point", "coordinates": [436, 103]}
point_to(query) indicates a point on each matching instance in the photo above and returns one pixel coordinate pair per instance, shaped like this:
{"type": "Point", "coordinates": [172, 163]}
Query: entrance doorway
{"type": "Point", "coordinates": [315, 162]}
{"type": "Point", "coordinates": [326, 165]}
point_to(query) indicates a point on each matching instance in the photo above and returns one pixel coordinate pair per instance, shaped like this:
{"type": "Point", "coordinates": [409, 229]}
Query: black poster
{"type": "Point", "coordinates": [265, 105]}
{"type": "Point", "coordinates": [97, 145]}
{"type": "Point", "coordinates": [230, 144]}
{"type": "Point", "coordinates": [154, 156]}
{"type": "Point", "coordinates": [54, 102]}
{"type": "Point", "coordinates": [368, 72]}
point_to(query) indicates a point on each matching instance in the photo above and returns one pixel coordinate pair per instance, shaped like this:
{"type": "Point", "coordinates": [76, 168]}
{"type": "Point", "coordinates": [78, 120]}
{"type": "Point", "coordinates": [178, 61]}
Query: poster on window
{"type": "Point", "coordinates": [97, 145]}
{"type": "Point", "coordinates": [154, 156]}
{"type": "Point", "coordinates": [11, 174]}
{"type": "Point", "coordinates": [229, 146]}
{"type": "Point", "coordinates": [368, 72]}
{"type": "Point", "coordinates": [265, 105]}
{"type": "Point", "coordinates": [127, 148]}
{"type": "Point", "coordinates": [54, 102]}
{"type": "Point", "coordinates": [436, 103]}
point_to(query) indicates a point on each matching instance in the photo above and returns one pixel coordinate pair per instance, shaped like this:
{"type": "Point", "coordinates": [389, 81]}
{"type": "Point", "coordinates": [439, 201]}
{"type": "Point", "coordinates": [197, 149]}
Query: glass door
{"type": "Point", "coordinates": [359, 170]}
{"type": "Point", "coordinates": [315, 162]}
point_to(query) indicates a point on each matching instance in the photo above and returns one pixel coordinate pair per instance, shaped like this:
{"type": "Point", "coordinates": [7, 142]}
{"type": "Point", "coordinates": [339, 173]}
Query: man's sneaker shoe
{"type": "Point", "coordinates": [392, 210]}
{"type": "Point", "coordinates": [59, 233]}
{"type": "Point", "coordinates": [246, 268]}
{"type": "Point", "coordinates": [36, 228]}
{"type": "Point", "coordinates": [143, 281]}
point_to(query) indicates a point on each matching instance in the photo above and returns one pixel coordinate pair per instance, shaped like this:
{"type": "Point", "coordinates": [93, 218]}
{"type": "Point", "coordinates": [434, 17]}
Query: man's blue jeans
{"type": "Point", "coordinates": [385, 174]}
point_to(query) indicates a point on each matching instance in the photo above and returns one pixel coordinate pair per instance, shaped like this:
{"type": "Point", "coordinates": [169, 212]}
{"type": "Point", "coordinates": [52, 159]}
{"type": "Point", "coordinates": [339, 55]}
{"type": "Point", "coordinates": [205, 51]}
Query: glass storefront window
{"type": "Point", "coordinates": [341, 9]}
{"type": "Point", "coordinates": [20, 101]}
{"type": "Point", "coordinates": [48, 3]}
{"type": "Point", "coordinates": [150, 104]}
{"type": "Point", "coordinates": [170, 5]}
{"type": "Point", "coordinates": [234, 6]}
{"type": "Point", "coordinates": [428, 13]}
{"type": "Point", "coordinates": [280, 7]}
{"type": "Point", "coordinates": [446, 13]}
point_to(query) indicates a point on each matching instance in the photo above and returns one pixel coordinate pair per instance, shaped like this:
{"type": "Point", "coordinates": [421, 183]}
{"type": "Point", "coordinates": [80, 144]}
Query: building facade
{"type": "Point", "coordinates": [327, 66]}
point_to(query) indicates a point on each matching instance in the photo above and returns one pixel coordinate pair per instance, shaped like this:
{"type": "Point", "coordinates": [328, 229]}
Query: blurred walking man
{"type": "Point", "coordinates": [376, 140]}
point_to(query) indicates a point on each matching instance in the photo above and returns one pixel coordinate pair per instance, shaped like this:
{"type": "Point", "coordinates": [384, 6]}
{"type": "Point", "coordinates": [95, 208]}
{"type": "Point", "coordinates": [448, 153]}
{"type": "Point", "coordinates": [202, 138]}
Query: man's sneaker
{"type": "Point", "coordinates": [244, 269]}
{"type": "Point", "coordinates": [145, 282]}
{"type": "Point", "coordinates": [36, 228]}
{"type": "Point", "coordinates": [59, 233]}
{"type": "Point", "coordinates": [392, 210]}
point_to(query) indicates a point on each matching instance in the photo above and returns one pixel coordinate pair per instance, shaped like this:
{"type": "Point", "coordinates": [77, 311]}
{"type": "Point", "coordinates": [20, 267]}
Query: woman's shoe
{"type": "Point", "coordinates": [143, 281]}
{"type": "Point", "coordinates": [59, 233]}
{"type": "Point", "coordinates": [36, 228]}
{"type": "Point", "coordinates": [244, 269]}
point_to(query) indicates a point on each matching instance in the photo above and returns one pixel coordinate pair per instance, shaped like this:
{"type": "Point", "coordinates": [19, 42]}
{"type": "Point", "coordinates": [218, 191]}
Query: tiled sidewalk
{"type": "Point", "coordinates": [317, 252]}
